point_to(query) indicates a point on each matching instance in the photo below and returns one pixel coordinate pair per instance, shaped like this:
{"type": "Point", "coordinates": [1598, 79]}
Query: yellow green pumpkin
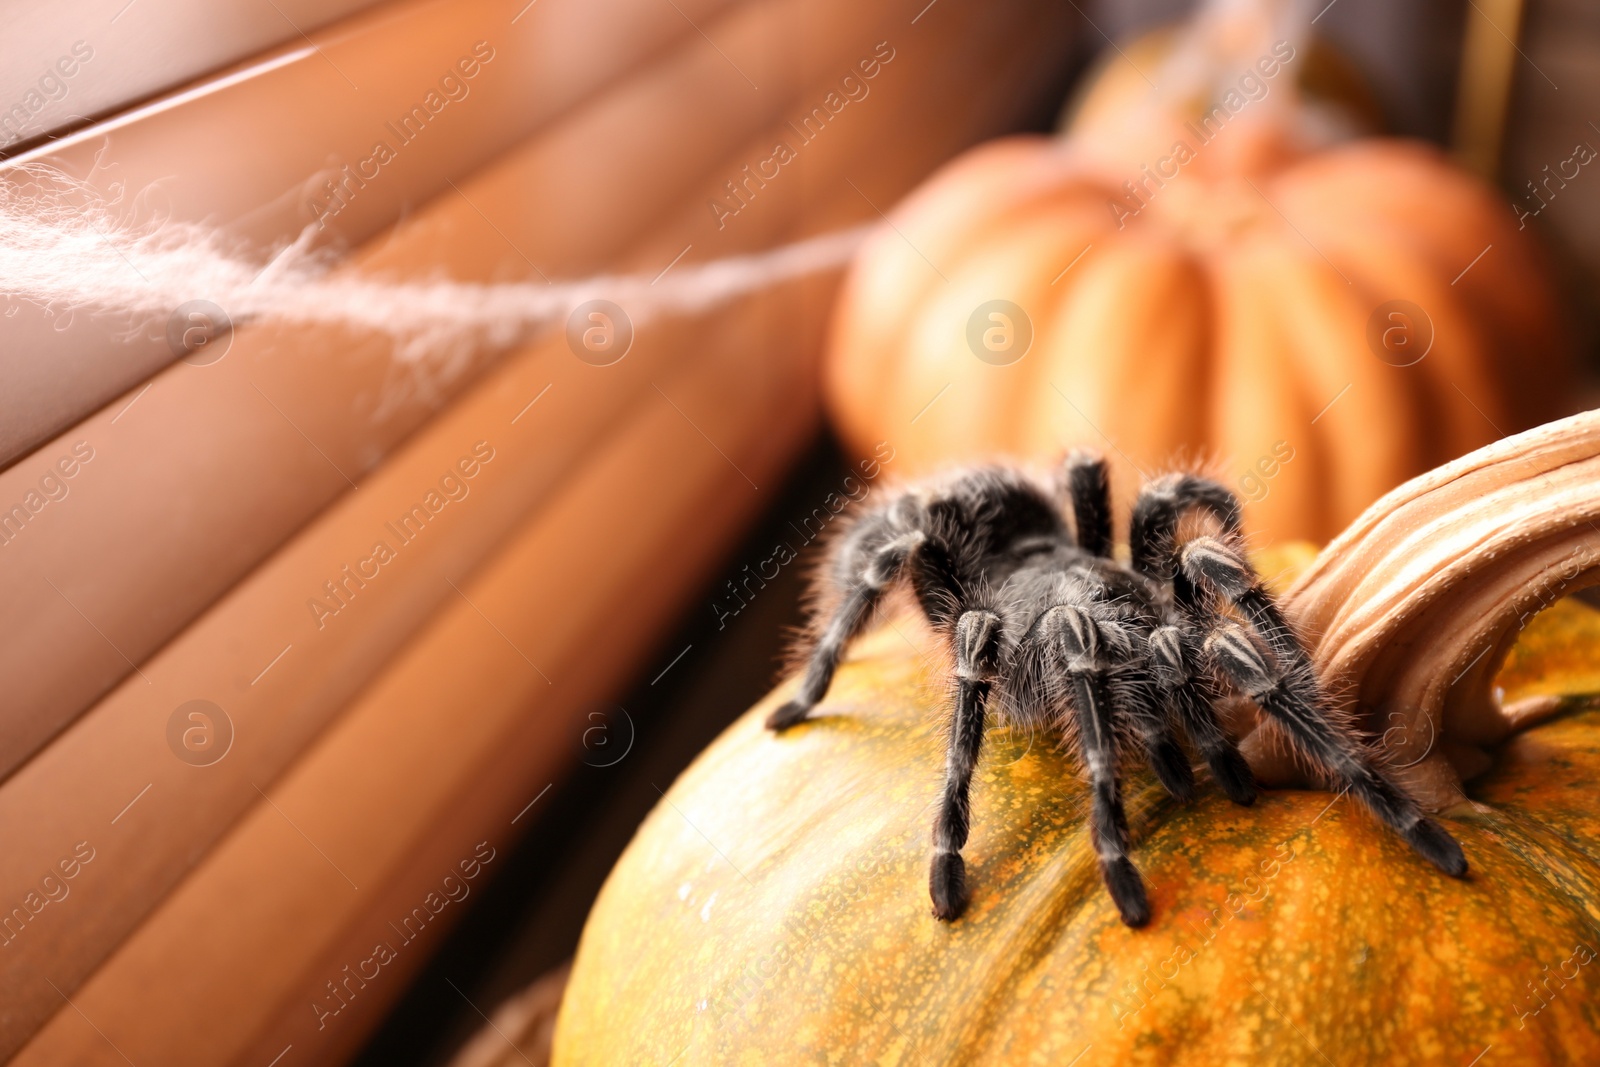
{"type": "Point", "coordinates": [773, 908]}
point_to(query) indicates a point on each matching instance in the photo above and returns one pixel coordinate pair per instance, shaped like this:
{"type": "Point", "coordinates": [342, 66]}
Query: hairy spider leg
{"type": "Point", "coordinates": [1136, 698]}
{"type": "Point", "coordinates": [1033, 677]}
{"type": "Point", "coordinates": [1222, 571]}
{"type": "Point", "coordinates": [1078, 638]}
{"type": "Point", "coordinates": [978, 637]}
{"type": "Point", "coordinates": [1088, 487]}
{"type": "Point", "coordinates": [1176, 661]}
{"type": "Point", "coordinates": [944, 583]}
{"type": "Point", "coordinates": [1176, 653]}
{"type": "Point", "coordinates": [1153, 531]}
{"type": "Point", "coordinates": [1284, 685]}
{"type": "Point", "coordinates": [877, 557]}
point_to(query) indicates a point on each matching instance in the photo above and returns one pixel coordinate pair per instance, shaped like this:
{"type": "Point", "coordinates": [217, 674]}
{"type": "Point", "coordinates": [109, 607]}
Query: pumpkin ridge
{"type": "Point", "coordinates": [1430, 417]}
{"type": "Point", "coordinates": [1093, 345]}
{"type": "Point", "coordinates": [1386, 520]}
{"type": "Point", "coordinates": [1255, 379]}
{"type": "Point", "coordinates": [1464, 390]}
{"type": "Point", "coordinates": [1421, 586]}
{"type": "Point", "coordinates": [1349, 400]}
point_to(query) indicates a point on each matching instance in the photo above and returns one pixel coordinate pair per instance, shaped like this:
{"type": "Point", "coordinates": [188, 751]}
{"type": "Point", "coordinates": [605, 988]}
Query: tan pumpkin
{"type": "Point", "coordinates": [772, 909]}
{"type": "Point", "coordinates": [1228, 301]}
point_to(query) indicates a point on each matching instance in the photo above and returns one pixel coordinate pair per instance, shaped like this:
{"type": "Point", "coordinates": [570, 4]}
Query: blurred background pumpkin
{"type": "Point", "coordinates": [1206, 269]}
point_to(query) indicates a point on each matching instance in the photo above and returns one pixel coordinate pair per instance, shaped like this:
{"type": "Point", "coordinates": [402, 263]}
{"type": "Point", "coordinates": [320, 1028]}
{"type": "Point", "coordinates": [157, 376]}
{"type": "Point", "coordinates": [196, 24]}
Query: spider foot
{"type": "Point", "coordinates": [1438, 847]}
{"type": "Point", "coordinates": [1127, 890]}
{"type": "Point", "coordinates": [947, 884]}
{"type": "Point", "coordinates": [792, 712]}
{"type": "Point", "coordinates": [1232, 773]}
{"type": "Point", "coordinates": [1172, 767]}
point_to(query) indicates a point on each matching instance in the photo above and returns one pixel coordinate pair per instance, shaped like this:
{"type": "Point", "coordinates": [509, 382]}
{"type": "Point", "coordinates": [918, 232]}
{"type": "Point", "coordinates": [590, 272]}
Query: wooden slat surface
{"type": "Point", "coordinates": [444, 745]}
{"type": "Point", "coordinates": [134, 51]}
{"type": "Point", "coordinates": [250, 149]}
{"type": "Point", "coordinates": [213, 467]}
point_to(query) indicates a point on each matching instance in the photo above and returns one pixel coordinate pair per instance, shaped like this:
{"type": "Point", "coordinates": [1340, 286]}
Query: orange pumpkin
{"type": "Point", "coordinates": [1315, 324]}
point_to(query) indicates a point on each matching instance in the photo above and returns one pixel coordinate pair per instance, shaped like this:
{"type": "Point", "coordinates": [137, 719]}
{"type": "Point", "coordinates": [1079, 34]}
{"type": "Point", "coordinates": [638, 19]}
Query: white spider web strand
{"type": "Point", "coordinates": [66, 255]}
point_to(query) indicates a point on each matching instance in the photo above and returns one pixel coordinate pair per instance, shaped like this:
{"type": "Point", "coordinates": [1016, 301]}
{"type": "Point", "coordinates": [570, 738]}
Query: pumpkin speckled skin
{"type": "Point", "coordinates": [773, 909]}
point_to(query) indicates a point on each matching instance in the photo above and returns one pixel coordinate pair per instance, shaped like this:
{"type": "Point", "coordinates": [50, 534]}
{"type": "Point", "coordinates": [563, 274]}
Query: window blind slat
{"type": "Point", "coordinates": [431, 785]}
{"type": "Point", "coordinates": [252, 151]}
{"type": "Point", "coordinates": [95, 762]}
{"type": "Point", "coordinates": [196, 480]}
{"type": "Point", "coordinates": [63, 62]}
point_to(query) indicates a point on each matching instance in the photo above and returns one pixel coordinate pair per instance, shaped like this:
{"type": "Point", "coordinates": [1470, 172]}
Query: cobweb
{"type": "Point", "coordinates": [67, 249]}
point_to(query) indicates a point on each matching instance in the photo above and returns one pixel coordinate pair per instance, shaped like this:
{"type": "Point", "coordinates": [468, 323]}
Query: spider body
{"type": "Point", "coordinates": [1048, 629]}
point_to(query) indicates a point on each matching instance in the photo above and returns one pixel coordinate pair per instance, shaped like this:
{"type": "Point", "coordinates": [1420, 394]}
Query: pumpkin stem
{"type": "Point", "coordinates": [1181, 82]}
{"type": "Point", "coordinates": [1225, 37]}
{"type": "Point", "coordinates": [1411, 611]}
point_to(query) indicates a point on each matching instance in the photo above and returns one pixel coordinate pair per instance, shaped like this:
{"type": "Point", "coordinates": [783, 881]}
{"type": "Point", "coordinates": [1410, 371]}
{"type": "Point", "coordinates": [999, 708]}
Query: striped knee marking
{"type": "Point", "coordinates": [1166, 657]}
{"type": "Point", "coordinates": [1243, 662]}
{"type": "Point", "coordinates": [1212, 564]}
{"type": "Point", "coordinates": [977, 647]}
{"type": "Point", "coordinates": [1079, 638]}
{"type": "Point", "coordinates": [887, 561]}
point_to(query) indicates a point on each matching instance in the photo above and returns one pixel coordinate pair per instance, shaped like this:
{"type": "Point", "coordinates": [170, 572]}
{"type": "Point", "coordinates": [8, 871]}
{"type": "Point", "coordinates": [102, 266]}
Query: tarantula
{"type": "Point", "coordinates": [1042, 618]}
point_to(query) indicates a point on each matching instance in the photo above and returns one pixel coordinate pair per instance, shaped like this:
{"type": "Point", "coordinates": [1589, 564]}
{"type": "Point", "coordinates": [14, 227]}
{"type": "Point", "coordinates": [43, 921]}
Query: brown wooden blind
{"type": "Point", "coordinates": [374, 746]}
